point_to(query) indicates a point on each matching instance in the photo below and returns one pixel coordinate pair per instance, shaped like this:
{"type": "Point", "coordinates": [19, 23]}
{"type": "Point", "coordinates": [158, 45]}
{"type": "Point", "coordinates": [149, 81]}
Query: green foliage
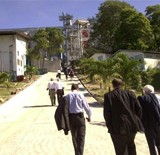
{"type": "Point", "coordinates": [41, 39]}
{"type": "Point", "coordinates": [154, 75]}
{"type": "Point", "coordinates": [4, 77]}
{"type": "Point", "coordinates": [134, 31]}
{"type": "Point", "coordinates": [47, 42]}
{"type": "Point", "coordinates": [55, 39]}
{"type": "Point", "coordinates": [108, 21]}
{"type": "Point", "coordinates": [120, 66]}
{"type": "Point", "coordinates": [153, 14]}
{"type": "Point", "coordinates": [156, 80]}
{"type": "Point", "coordinates": [127, 69]}
{"type": "Point", "coordinates": [30, 71]}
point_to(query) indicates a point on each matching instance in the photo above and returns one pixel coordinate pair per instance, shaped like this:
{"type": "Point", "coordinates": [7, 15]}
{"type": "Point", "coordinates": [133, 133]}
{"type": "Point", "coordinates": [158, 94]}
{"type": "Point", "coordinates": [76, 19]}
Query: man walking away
{"type": "Point", "coordinates": [122, 113]}
{"type": "Point", "coordinates": [151, 118]}
{"type": "Point", "coordinates": [60, 91]}
{"type": "Point", "coordinates": [52, 87]}
{"type": "Point", "coordinates": [77, 103]}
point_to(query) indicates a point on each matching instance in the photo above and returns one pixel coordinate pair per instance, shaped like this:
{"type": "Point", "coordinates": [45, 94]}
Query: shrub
{"type": "Point", "coordinates": [20, 78]}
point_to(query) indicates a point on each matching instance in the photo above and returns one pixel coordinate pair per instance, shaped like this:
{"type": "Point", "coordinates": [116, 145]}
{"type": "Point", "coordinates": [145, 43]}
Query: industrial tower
{"type": "Point", "coordinates": [76, 36]}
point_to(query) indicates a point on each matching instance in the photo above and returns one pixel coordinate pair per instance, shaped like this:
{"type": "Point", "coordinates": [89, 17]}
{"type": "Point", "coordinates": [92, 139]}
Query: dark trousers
{"type": "Point", "coordinates": [78, 130]}
{"type": "Point", "coordinates": [124, 144]}
{"type": "Point", "coordinates": [60, 93]}
{"type": "Point", "coordinates": [58, 75]}
{"type": "Point", "coordinates": [153, 140]}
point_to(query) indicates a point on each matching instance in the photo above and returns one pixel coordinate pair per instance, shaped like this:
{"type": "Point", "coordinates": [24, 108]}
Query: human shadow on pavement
{"type": "Point", "coordinates": [73, 83]}
{"type": "Point", "coordinates": [95, 105]}
{"type": "Point", "coordinates": [38, 106]}
{"type": "Point", "coordinates": [98, 123]}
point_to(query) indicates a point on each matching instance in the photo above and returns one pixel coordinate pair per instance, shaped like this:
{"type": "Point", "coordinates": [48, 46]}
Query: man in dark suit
{"type": "Point", "coordinates": [122, 113]}
{"type": "Point", "coordinates": [151, 118]}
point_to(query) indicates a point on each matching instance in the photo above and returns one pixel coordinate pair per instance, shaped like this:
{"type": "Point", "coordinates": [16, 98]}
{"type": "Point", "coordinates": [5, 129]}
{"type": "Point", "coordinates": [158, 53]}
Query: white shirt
{"type": "Point", "coordinates": [52, 85]}
{"type": "Point", "coordinates": [59, 85]}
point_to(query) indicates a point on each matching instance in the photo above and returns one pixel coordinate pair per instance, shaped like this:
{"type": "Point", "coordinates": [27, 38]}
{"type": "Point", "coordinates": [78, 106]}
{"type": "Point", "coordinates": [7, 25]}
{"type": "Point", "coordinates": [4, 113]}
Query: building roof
{"type": "Point", "coordinates": [80, 21]}
{"type": "Point", "coordinates": [10, 32]}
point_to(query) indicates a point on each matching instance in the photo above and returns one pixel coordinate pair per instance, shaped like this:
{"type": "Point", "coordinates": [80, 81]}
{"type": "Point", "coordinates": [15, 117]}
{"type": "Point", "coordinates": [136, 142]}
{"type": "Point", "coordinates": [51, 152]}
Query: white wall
{"type": "Point", "coordinates": [151, 63]}
{"type": "Point", "coordinates": [100, 56]}
{"type": "Point", "coordinates": [12, 53]}
{"type": "Point", "coordinates": [6, 41]}
{"type": "Point", "coordinates": [152, 60]}
{"type": "Point", "coordinates": [20, 55]}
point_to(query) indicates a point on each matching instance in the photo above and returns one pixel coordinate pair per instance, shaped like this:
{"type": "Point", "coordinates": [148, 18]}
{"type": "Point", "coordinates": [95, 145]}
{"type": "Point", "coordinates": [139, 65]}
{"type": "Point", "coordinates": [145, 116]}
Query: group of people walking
{"type": "Point", "coordinates": [125, 115]}
{"type": "Point", "coordinates": [55, 88]}
{"type": "Point", "coordinates": [69, 114]}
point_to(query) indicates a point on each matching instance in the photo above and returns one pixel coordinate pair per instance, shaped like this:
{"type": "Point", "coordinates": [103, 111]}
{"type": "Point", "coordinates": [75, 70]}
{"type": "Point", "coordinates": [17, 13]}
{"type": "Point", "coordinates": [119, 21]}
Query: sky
{"type": "Point", "coordinates": [45, 13]}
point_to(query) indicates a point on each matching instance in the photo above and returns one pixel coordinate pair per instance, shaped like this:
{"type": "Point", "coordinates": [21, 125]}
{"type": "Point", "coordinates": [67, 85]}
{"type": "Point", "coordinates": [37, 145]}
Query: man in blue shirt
{"type": "Point", "coordinates": [77, 103]}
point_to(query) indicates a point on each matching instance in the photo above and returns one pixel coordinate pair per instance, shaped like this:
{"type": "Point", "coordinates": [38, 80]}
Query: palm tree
{"type": "Point", "coordinates": [101, 70]}
{"type": "Point", "coordinates": [127, 69]}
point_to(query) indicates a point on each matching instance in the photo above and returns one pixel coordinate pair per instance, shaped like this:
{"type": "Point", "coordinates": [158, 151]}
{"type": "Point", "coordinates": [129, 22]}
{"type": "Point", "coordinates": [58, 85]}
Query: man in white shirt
{"type": "Point", "coordinates": [60, 90]}
{"type": "Point", "coordinates": [52, 87]}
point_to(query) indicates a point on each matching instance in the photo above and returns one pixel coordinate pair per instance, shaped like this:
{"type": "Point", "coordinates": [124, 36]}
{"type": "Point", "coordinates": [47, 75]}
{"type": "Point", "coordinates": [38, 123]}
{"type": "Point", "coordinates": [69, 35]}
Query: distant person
{"type": "Point", "coordinates": [77, 104]}
{"type": "Point", "coordinates": [71, 73]}
{"type": "Point", "coordinates": [58, 74]}
{"type": "Point", "coordinates": [66, 72]}
{"type": "Point", "coordinates": [122, 113]}
{"type": "Point", "coordinates": [52, 87]}
{"type": "Point", "coordinates": [151, 118]}
{"type": "Point", "coordinates": [60, 90]}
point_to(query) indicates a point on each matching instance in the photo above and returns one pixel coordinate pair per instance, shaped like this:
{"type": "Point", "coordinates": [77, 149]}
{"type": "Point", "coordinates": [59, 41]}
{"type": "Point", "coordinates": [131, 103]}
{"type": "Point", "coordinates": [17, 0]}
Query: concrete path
{"type": "Point", "coordinates": [27, 125]}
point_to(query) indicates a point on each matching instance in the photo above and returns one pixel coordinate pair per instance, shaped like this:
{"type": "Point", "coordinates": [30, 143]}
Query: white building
{"type": "Point", "coordinates": [151, 59]}
{"type": "Point", "coordinates": [100, 56]}
{"type": "Point", "coordinates": [13, 50]}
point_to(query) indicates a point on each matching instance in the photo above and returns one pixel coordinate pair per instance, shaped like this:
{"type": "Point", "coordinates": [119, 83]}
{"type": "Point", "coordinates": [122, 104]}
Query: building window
{"type": "Point", "coordinates": [18, 62]}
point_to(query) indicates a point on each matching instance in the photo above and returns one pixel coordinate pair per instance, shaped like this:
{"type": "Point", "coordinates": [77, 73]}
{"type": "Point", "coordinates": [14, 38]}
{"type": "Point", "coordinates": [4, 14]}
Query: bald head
{"type": "Point", "coordinates": [148, 89]}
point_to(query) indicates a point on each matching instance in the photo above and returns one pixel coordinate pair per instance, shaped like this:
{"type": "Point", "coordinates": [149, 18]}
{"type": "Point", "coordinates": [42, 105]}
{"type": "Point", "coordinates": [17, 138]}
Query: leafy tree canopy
{"type": "Point", "coordinates": [134, 31]}
{"type": "Point", "coordinates": [153, 14]}
{"type": "Point", "coordinates": [108, 21]}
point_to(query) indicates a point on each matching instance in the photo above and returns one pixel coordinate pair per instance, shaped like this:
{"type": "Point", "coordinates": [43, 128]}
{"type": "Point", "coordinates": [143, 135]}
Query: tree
{"type": "Point", "coordinates": [41, 45]}
{"type": "Point", "coordinates": [127, 69]}
{"type": "Point", "coordinates": [30, 71]}
{"type": "Point", "coordinates": [56, 40]}
{"type": "Point", "coordinates": [4, 79]}
{"type": "Point", "coordinates": [47, 41]}
{"type": "Point", "coordinates": [134, 31]}
{"type": "Point", "coordinates": [104, 70]}
{"type": "Point", "coordinates": [108, 21]}
{"type": "Point", "coordinates": [153, 14]}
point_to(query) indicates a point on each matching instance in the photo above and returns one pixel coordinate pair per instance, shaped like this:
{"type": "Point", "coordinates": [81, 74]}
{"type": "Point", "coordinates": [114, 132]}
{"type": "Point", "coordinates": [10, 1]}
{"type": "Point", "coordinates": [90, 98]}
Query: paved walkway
{"type": "Point", "coordinates": [27, 125]}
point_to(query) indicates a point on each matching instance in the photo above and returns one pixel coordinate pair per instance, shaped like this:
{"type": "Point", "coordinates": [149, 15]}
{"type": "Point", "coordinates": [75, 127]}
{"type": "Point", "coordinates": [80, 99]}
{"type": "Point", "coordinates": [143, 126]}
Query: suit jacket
{"type": "Point", "coordinates": [122, 112]}
{"type": "Point", "coordinates": [151, 110]}
{"type": "Point", "coordinates": [62, 116]}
